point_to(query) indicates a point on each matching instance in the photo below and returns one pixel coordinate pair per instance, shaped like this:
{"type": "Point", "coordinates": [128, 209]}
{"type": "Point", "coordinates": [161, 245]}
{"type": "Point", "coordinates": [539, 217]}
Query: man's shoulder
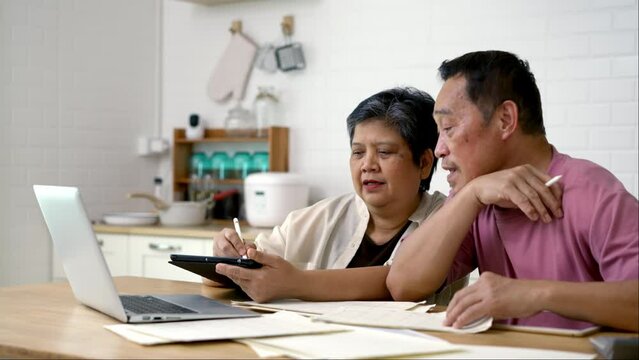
{"type": "Point", "coordinates": [585, 175]}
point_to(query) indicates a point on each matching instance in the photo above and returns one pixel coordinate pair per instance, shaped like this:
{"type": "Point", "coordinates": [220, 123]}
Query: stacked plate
{"type": "Point", "coordinates": [130, 218]}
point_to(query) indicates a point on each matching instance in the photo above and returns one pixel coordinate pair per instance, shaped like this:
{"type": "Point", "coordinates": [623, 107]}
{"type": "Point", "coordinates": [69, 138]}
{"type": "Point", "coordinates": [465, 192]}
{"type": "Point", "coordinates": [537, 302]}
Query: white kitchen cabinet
{"type": "Point", "coordinates": [149, 256]}
{"type": "Point", "coordinates": [115, 248]}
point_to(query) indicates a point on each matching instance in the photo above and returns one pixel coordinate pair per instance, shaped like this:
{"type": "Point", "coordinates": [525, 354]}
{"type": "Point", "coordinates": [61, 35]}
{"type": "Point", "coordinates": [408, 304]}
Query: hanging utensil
{"type": "Point", "coordinates": [265, 59]}
{"type": "Point", "coordinates": [289, 56]}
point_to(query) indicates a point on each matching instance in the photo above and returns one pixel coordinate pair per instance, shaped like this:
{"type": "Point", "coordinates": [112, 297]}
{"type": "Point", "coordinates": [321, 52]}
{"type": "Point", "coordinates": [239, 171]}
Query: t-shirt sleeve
{"type": "Point", "coordinates": [614, 236]}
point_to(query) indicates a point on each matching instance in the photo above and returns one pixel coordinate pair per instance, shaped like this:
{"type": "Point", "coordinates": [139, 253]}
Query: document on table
{"type": "Point", "coordinates": [368, 316]}
{"type": "Point", "coordinates": [548, 330]}
{"type": "Point", "coordinates": [355, 344]}
{"type": "Point", "coordinates": [322, 307]}
{"type": "Point", "coordinates": [272, 347]}
{"type": "Point", "coordinates": [278, 324]}
{"type": "Point", "coordinates": [507, 352]}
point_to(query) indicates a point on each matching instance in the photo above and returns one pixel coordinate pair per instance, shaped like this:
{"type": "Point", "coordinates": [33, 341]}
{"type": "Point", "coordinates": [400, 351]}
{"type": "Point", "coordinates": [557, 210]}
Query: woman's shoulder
{"type": "Point", "coordinates": [433, 201]}
{"type": "Point", "coordinates": [429, 204]}
{"type": "Point", "coordinates": [330, 205]}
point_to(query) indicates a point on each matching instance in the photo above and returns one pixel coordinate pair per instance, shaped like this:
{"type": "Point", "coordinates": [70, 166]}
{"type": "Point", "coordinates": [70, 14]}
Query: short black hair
{"type": "Point", "coordinates": [407, 110]}
{"type": "Point", "coordinates": [493, 77]}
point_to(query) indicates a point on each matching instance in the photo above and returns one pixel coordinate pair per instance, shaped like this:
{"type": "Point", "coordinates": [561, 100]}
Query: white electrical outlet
{"type": "Point", "coordinates": [148, 146]}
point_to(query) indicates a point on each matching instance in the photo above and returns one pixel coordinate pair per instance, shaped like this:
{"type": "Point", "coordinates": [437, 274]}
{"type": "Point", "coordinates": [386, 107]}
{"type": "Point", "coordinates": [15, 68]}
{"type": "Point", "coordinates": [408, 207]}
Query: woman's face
{"type": "Point", "coordinates": [382, 166]}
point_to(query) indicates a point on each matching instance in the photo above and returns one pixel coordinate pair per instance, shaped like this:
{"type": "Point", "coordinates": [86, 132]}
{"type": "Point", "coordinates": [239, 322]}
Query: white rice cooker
{"type": "Point", "coordinates": [270, 196]}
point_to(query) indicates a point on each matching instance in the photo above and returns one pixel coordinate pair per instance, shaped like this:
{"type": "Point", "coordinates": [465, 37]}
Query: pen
{"type": "Point", "coordinates": [553, 180]}
{"type": "Point", "coordinates": [236, 223]}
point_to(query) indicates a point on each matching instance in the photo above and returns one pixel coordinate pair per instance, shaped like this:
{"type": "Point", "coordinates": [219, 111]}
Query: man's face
{"type": "Point", "coordinates": [467, 145]}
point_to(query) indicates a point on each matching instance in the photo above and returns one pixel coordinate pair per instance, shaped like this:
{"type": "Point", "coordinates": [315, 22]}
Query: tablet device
{"type": "Point", "coordinates": [205, 265]}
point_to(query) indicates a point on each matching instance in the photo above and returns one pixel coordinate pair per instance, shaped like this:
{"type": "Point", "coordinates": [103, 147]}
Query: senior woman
{"type": "Point", "coordinates": [340, 247]}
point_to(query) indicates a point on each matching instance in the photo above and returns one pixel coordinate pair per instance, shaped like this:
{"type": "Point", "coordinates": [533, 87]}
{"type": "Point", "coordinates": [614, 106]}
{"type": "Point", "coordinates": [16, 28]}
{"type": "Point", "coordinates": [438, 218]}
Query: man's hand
{"type": "Point", "coordinates": [521, 187]}
{"type": "Point", "coordinates": [276, 279]}
{"type": "Point", "coordinates": [228, 243]}
{"type": "Point", "coordinates": [492, 296]}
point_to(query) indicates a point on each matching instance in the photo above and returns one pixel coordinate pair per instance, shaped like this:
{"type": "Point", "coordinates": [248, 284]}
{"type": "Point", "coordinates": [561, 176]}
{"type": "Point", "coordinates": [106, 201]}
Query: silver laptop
{"type": "Point", "coordinates": [89, 276]}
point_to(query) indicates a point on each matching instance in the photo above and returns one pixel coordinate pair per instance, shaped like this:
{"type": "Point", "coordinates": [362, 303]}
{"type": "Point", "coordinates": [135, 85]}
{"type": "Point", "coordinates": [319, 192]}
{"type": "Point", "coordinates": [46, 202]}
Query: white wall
{"type": "Point", "coordinates": [79, 81]}
{"type": "Point", "coordinates": [583, 53]}
{"type": "Point", "coordinates": [78, 84]}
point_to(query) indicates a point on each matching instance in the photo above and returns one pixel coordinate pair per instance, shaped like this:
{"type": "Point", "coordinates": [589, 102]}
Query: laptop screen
{"type": "Point", "coordinates": [75, 244]}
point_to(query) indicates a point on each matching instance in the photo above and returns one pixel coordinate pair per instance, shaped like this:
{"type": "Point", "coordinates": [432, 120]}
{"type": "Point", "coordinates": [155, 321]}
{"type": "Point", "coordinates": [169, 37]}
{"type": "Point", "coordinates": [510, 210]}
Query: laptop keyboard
{"type": "Point", "coordinates": [151, 305]}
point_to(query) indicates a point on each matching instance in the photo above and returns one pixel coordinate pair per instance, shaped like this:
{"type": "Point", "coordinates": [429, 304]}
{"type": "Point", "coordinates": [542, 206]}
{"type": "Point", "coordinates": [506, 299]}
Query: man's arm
{"type": "Point", "coordinates": [420, 267]}
{"type": "Point", "coordinates": [614, 304]}
{"type": "Point", "coordinates": [606, 303]}
{"type": "Point", "coordinates": [279, 279]}
{"type": "Point", "coordinates": [425, 257]}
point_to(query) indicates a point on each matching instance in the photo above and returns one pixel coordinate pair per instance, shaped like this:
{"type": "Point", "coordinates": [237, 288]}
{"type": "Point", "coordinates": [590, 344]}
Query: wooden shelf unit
{"type": "Point", "coordinates": [277, 148]}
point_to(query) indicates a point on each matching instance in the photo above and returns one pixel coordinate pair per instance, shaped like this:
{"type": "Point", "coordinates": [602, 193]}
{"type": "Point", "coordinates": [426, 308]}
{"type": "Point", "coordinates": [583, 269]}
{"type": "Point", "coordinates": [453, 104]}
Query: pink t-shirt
{"type": "Point", "coordinates": [596, 240]}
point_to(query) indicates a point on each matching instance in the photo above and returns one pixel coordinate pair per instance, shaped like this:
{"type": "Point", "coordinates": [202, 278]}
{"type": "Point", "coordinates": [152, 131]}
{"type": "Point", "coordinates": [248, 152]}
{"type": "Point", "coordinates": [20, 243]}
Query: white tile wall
{"type": "Point", "coordinates": [78, 85]}
{"type": "Point", "coordinates": [583, 53]}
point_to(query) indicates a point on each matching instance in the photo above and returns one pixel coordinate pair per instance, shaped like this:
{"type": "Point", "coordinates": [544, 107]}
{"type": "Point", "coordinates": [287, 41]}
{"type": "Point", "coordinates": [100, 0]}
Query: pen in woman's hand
{"type": "Point", "coordinates": [236, 223]}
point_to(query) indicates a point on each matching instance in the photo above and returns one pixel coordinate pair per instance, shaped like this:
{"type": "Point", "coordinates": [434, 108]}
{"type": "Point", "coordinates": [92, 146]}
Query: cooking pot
{"type": "Point", "coordinates": [179, 213]}
{"type": "Point", "coordinates": [183, 213]}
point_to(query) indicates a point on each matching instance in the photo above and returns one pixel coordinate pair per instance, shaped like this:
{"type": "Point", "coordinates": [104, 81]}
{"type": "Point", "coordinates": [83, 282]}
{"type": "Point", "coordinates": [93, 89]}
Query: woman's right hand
{"type": "Point", "coordinates": [228, 243]}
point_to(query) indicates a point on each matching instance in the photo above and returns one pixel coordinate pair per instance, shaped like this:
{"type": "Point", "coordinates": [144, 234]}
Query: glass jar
{"type": "Point", "coordinates": [259, 162]}
{"type": "Point", "coordinates": [265, 109]}
{"type": "Point", "coordinates": [240, 122]}
{"type": "Point", "coordinates": [221, 165]}
{"type": "Point", "coordinates": [241, 164]}
{"type": "Point", "coordinates": [198, 162]}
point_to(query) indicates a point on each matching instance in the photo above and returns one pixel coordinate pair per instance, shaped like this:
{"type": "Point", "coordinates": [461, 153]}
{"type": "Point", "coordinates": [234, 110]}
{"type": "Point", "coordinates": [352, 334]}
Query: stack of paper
{"type": "Point", "coordinates": [277, 324]}
{"type": "Point", "coordinates": [355, 344]}
{"type": "Point", "coordinates": [322, 307]}
{"type": "Point", "coordinates": [286, 333]}
{"type": "Point", "coordinates": [507, 352]}
{"type": "Point", "coordinates": [303, 347]}
{"type": "Point", "coordinates": [399, 319]}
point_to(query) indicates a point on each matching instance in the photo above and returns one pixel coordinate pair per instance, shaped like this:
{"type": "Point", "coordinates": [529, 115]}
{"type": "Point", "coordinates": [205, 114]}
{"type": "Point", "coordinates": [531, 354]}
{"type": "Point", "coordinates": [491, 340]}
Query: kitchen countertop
{"type": "Point", "coordinates": [206, 231]}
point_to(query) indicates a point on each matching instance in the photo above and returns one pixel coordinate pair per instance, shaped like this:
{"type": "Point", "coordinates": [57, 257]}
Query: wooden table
{"type": "Point", "coordinates": [45, 320]}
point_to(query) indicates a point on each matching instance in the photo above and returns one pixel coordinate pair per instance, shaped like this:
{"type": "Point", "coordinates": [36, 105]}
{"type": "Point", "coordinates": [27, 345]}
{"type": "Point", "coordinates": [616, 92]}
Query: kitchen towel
{"type": "Point", "coordinates": [232, 71]}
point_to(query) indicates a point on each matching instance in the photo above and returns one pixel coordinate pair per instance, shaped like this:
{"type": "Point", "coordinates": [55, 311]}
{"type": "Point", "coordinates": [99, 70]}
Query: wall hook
{"type": "Point", "coordinates": [288, 24]}
{"type": "Point", "coordinates": [236, 27]}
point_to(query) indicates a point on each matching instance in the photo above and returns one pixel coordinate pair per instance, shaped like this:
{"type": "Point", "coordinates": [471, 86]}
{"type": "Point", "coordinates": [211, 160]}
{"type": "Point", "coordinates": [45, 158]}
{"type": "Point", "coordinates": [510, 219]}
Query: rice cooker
{"type": "Point", "coordinates": [270, 196]}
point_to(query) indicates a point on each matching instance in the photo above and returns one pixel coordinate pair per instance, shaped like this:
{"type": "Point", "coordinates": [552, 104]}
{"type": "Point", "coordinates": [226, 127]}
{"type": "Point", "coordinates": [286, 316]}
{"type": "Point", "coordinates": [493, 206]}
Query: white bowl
{"type": "Point", "coordinates": [130, 218]}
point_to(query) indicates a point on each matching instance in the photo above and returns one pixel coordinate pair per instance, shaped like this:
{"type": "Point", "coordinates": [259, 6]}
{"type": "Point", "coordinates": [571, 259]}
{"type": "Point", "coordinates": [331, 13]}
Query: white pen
{"type": "Point", "coordinates": [236, 223]}
{"type": "Point", "coordinates": [552, 181]}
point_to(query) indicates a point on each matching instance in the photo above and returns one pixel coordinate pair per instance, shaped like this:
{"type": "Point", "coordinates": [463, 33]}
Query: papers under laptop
{"type": "Point", "coordinates": [90, 279]}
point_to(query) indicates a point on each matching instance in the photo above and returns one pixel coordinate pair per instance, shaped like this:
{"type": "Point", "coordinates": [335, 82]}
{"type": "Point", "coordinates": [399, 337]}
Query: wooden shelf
{"type": "Point", "coordinates": [222, 140]}
{"type": "Point", "coordinates": [217, 136]}
{"type": "Point", "coordinates": [217, 182]}
{"type": "Point", "coordinates": [215, 2]}
{"type": "Point", "coordinates": [276, 142]}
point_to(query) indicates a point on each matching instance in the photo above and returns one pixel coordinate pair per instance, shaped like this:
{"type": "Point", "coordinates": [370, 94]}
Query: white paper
{"type": "Point", "coordinates": [505, 352]}
{"type": "Point", "coordinates": [126, 332]}
{"type": "Point", "coordinates": [322, 307]}
{"type": "Point", "coordinates": [366, 316]}
{"type": "Point", "coordinates": [548, 330]}
{"type": "Point", "coordinates": [277, 324]}
{"type": "Point", "coordinates": [358, 343]}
